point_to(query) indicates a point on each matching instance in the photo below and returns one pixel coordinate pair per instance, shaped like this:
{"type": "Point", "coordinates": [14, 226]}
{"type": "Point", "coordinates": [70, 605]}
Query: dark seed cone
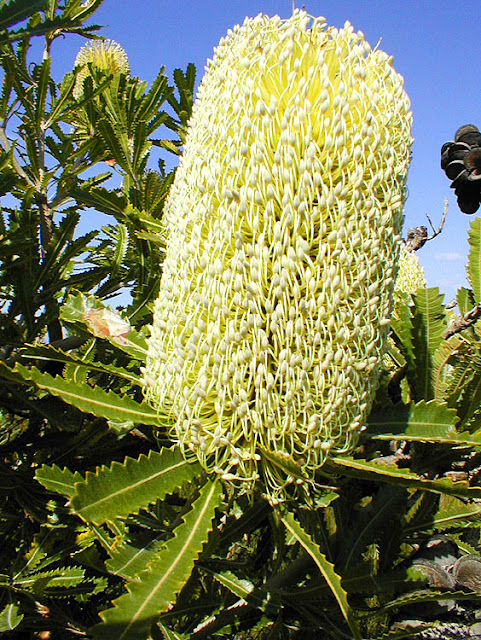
{"type": "Point", "coordinates": [461, 162]}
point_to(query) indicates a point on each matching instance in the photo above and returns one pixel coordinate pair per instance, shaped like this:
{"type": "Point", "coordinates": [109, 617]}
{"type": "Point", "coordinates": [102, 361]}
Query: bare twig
{"type": "Point", "coordinates": [463, 322]}
{"type": "Point", "coordinates": [441, 224]}
{"type": "Point", "coordinates": [418, 236]}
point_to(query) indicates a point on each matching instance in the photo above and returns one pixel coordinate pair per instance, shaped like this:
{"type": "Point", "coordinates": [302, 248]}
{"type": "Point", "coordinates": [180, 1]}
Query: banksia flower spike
{"type": "Point", "coordinates": [282, 231]}
{"type": "Point", "coordinates": [410, 275]}
{"type": "Point", "coordinates": [105, 55]}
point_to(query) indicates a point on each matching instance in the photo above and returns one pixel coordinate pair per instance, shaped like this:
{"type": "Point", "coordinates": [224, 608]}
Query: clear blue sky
{"type": "Point", "coordinates": [436, 46]}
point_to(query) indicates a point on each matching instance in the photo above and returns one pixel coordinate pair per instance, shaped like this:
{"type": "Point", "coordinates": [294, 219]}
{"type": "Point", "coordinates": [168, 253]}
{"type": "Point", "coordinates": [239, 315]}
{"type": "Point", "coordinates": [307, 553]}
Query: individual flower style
{"type": "Point", "coordinates": [282, 231]}
{"type": "Point", "coordinates": [410, 275]}
{"type": "Point", "coordinates": [461, 162]}
{"type": "Point", "coordinates": [105, 55]}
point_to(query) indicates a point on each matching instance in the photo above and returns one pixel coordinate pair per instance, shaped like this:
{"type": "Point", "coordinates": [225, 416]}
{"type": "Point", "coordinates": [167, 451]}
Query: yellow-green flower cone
{"type": "Point", "coordinates": [410, 275]}
{"type": "Point", "coordinates": [105, 55]}
{"type": "Point", "coordinates": [282, 234]}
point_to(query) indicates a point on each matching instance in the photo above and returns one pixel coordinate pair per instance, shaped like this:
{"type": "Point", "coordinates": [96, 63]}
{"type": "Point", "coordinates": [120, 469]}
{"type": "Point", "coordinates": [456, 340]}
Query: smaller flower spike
{"type": "Point", "coordinates": [104, 55]}
{"type": "Point", "coordinates": [282, 230]}
{"type": "Point", "coordinates": [410, 276]}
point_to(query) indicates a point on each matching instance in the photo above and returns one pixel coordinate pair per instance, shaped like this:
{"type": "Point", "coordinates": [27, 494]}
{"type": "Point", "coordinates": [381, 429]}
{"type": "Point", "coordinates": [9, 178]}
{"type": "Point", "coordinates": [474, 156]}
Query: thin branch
{"type": "Point", "coordinates": [441, 224]}
{"type": "Point", "coordinates": [418, 236]}
{"type": "Point", "coordinates": [463, 322]}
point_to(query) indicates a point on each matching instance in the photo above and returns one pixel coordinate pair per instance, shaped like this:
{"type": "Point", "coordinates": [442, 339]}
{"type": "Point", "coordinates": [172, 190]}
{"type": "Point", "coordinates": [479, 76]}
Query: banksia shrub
{"type": "Point", "coordinates": [282, 232]}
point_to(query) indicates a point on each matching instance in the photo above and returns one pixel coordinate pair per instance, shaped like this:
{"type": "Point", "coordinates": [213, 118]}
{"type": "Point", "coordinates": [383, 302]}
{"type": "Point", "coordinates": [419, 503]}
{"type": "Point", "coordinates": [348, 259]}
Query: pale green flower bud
{"type": "Point", "coordinates": [105, 55]}
{"type": "Point", "coordinates": [283, 237]}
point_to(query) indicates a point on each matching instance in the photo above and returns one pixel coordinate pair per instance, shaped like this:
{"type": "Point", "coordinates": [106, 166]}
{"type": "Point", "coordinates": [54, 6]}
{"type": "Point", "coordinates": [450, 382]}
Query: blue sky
{"type": "Point", "coordinates": [436, 47]}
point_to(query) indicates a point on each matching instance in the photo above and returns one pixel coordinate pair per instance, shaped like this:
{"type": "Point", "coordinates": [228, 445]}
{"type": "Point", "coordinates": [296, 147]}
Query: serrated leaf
{"type": "Point", "coordinates": [15, 11]}
{"type": "Point", "coordinates": [245, 590]}
{"type": "Point", "coordinates": [468, 400]}
{"type": "Point", "coordinates": [103, 200]}
{"type": "Point", "coordinates": [283, 461]}
{"type": "Point", "coordinates": [376, 526]}
{"type": "Point", "coordinates": [423, 421]}
{"type": "Point", "coordinates": [428, 595]}
{"type": "Point", "coordinates": [326, 568]}
{"type": "Point", "coordinates": [41, 74]}
{"type": "Point", "coordinates": [104, 404]}
{"type": "Point", "coordinates": [80, 310]}
{"type": "Point", "coordinates": [451, 512]}
{"type": "Point", "coordinates": [401, 323]}
{"type": "Point", "coordinates": [128, 560]}
{"type": "Point", "coordinates": [239, 587]}
{"type": "Point", "coordinates": [156, 588]}
{"type": "Point", "coordinates": [125, 488]}
{"type": "Point", "coordinates": [428, 327]}
{"type": "Point", "coordinates": [9, 374]}
{"type": "Point", "coordinates": [465, 300]}
{"type": "Point", "coordinates": [10, 617]}
{"type": "Point", "coordinates": [49, 353]}
{"type": "Point", "coordinates": [60, 104]}
{"type": "Point", "coordinates": [169, 634]}
{"type": "Point", "coordinates": [379, 471]}
{"type": "Point", "coordinates": [473, 267]}
{"type": "Point", "coordinates": [63, 577]}
{"type": "Point", "coordinates": [59, 480]}
{"type": "Point", "coordinates": [442, 369]}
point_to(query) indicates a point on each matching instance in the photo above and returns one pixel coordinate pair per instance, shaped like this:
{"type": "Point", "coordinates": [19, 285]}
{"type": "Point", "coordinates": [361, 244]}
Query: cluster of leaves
{"type": "Point", "coordinates": [105, 530]}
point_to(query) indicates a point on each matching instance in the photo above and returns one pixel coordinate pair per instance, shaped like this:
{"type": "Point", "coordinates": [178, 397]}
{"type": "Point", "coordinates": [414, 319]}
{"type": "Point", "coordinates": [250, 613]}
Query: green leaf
{"type": "Point", "coordinates": [48, 353]}
{"type": "Point", "coordinates": [169, 634]}
{"type": "Point", "coordinates": [428, 595]}
{"type": "Point", "coordinates": [90, 314]}
{"type": "Point", "coordinates": [10, 617]}
{"type": "Point", "coordinates": [100, 198]}
{"type": "Point", "coordinates": [156, 588]}
{"type": "Point", "coordinates": [61, 104]}
{"type": "Point", "coordinates": [382, 472]}
{"type": "Point", "coordinates": [42, 77]}
{"type": "Point", "coordinates": [326, 568]}
{"type": "Point", "coordinates": [377, 525]}
{"type": "Point", "coordinates": [428, 327]}
{"type": "Point", "coordinates": [128, 560]}
{"type": "Point", "coordinates": [91, 399]}
{"type": "Point", "coordinates": [474, 258]}
{"type": "Point", "coordinates": [465, 300]}
{"type": "Point", "coordinates": [59, 480]}
{"type": "Point", "coordinates": [451, 512]}
{"type": "Point", "coordinates": [9, 374]}
{"type": "Point", "coordinates": [15, 11]}
{"type": "Point", "coordinates": [245, 590]}
{"type": "Point", "coordinates": [283, 461]}
{"type": "Point", "coordinates": [239, 587]}
{"type": "Point", "coordinates": [424, 422]}
{"type": "Point", "coordinates": [442, 364]}
{"type": "Point", "coordinates": [63, 577]}
{"type": "Point", "coordinates": [125, 488]}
